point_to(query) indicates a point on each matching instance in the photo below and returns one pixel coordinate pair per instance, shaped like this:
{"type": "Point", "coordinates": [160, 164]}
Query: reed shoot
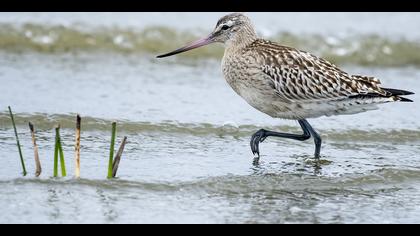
{"type": "Point", "coordinates": [111, 151]}
{"type": "Point", "coordinates": [36, 154]}
{"type": "Point", "coordinates": [56, 153]}
{"type": "Point", "coordinates": [60, 150]}
{"type": "Point", "coordinates": [77, 148]}
{"type": "Point", "coordinates": [118, 158]}
{"type": "Point", "coordinates": [18, 143]}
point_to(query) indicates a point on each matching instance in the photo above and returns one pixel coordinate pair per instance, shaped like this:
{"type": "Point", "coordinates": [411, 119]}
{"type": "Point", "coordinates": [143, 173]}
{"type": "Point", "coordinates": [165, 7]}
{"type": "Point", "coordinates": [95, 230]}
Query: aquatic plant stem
{"type": "Point", "coordinates": [111, 151]}
{"type": "Point", "coordinates": [77, 147]}
{"type": "Point", "coordinates": [18, 143]}
{"type": "Point", "coordinates": [56, 154]}
{"type": "Point", "coordinates": [118, 157]}
{"type": "Point", "coordinates": [36, 154]}
{"type": "Point", "coordinates": [60, 150]}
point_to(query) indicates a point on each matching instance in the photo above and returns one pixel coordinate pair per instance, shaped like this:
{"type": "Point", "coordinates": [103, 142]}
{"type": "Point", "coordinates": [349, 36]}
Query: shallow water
{"type": "Point", "coordinates": [188, 158]}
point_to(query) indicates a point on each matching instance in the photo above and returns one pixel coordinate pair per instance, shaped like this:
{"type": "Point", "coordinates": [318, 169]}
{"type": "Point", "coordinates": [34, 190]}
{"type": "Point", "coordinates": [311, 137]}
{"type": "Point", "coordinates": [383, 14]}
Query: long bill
{"type": "Point", "coordinates": [195, 44]}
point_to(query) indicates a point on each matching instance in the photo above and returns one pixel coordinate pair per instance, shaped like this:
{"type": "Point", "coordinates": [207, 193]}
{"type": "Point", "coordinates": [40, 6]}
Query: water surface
{"type": "Point", "coordinates": [188, 158]}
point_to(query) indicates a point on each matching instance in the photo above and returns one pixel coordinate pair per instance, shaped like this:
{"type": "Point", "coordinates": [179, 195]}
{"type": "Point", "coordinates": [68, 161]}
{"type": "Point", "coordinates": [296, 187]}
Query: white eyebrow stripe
{"type": "Point", "coordinates": [229, 22]}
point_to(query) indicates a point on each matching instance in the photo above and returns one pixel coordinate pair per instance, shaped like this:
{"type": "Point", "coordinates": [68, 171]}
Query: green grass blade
{"type": "Point", "coordinates": [112, 148]}
{"type": "Point", "coordinates": [18, 143]}
{"type": "Point", "coordinates": [60, 150]}
{"type": "Point", "coordinates": [56, 147]}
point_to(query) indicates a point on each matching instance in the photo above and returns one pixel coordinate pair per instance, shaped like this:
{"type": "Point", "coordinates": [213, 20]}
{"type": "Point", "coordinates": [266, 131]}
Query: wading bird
{"type": "Point", "coordinates": [288, 83]}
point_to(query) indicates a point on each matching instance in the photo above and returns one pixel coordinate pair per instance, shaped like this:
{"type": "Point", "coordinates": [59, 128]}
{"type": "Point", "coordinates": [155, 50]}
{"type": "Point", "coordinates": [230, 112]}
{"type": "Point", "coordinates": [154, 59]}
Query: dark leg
{"type": "Point", "coordinates": [308, 131]}
{"type": "Point", "coordinates": [262, 134]}
{"type": "Point", "coordinates": [316, 136]}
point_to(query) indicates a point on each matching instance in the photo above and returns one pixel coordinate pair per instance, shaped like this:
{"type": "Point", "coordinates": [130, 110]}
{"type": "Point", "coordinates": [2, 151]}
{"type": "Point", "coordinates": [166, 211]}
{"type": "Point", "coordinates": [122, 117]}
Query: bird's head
{"type": "Point", "coordinates": [232, 28]}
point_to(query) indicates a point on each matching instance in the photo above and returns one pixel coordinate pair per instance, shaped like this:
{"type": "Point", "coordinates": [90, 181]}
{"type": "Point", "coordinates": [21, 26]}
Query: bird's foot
{"type": "Point", "coordinates": [256, 161]}
{"type": "Point", "coordinates": [256, 139]}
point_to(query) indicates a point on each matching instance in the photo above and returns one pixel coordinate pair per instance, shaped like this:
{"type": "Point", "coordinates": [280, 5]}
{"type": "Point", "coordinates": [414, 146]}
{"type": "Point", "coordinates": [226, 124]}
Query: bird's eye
{"type": "Point", "coordinates": [225, 27]}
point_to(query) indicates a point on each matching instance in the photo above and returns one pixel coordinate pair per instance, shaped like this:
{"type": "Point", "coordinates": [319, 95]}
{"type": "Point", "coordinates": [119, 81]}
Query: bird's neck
{"type": "Point", "coordinates": [243, 38]}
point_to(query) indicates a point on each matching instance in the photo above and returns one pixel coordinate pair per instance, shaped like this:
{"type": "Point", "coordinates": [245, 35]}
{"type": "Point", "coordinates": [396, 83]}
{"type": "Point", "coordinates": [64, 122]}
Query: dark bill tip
{"type": "Point", "coordinates": [195, 44]}
{"type": "Point", "coordinates": [168, 54]}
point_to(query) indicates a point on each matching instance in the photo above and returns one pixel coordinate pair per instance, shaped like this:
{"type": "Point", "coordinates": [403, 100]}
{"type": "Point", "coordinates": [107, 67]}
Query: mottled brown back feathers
{"type": "Point", "coordinates": [298, 75]}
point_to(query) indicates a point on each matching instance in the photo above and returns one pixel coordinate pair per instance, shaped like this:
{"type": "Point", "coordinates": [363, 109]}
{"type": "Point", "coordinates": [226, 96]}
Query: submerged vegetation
{"type": "Point", "coordinates": [111, 149]}
{"type": "Point", "coordinates": [77, 146]}
{"type": "Point", "coordinates": [18, 142]}
{"type": "Point", "coordinates": [58, 150]}
{"type": "Point", "coordinates": [36, 154]}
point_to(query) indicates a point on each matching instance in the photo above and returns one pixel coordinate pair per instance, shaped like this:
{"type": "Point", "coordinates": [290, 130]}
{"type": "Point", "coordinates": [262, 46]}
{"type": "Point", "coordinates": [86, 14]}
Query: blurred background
{"type": "Point", "coordinates": [188, 157]}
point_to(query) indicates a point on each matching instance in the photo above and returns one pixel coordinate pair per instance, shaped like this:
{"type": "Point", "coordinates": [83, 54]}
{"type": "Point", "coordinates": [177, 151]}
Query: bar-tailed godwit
{"type": "Point", "coordinates": [288, 83]}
